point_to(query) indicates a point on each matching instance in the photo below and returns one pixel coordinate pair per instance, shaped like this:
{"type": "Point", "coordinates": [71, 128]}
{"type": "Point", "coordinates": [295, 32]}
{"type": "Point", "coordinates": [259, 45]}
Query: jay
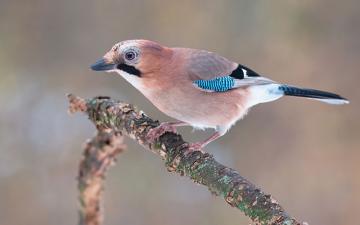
{"type": "Point", "coordinates": [196, 87]}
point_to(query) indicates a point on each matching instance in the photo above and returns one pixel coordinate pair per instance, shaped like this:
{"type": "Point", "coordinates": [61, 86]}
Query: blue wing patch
{"type": "Point", "coordinates": [219, 84]}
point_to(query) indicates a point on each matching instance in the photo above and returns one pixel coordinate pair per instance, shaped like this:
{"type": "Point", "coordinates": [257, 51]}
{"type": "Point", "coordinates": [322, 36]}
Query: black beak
{"type": "Point", "coordinates": [102, 65]}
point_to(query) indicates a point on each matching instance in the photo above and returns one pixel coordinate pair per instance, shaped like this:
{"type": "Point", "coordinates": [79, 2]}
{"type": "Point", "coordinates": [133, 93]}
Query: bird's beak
{"type": "Point", "coordinates": [102, 65]}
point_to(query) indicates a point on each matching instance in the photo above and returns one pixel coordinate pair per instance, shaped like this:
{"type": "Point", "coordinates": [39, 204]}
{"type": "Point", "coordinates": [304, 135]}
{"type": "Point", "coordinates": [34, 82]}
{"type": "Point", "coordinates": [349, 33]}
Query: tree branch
{"type": "Point", "coordinates": [201, 167]}
{"type": "Point", "coordinates": [99, 154]}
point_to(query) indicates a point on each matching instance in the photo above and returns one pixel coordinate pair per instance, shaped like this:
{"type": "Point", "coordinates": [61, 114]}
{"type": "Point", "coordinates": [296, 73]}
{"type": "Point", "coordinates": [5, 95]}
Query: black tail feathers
{"type": "Point", "coordinates": [323, 96]}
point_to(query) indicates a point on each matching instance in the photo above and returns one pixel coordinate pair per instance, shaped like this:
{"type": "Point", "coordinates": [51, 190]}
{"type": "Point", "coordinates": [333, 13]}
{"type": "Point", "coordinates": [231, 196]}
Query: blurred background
{"type": "Point", "coordinates": [305, 153]}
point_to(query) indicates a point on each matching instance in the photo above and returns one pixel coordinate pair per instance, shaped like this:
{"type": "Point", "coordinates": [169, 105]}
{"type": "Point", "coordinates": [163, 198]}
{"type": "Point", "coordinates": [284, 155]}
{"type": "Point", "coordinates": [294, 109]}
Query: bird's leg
{"type": "Point", "coordinates": [164, 127]}
{"type": "Point", "coordinates": [197, 146]}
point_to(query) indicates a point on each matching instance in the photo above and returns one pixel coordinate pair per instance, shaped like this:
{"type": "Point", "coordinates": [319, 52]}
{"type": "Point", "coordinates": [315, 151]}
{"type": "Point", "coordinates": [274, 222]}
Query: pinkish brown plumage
{"type": "Point", "coordinates": [196, 87]}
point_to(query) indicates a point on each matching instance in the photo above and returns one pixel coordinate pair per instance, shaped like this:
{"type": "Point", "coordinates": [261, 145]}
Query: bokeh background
{"type": "Point", "coordinates": [305, 153]}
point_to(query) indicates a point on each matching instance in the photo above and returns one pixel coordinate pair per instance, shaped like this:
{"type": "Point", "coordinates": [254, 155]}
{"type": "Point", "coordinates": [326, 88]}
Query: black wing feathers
{"type": "Point", "coordinates": [242, 71]}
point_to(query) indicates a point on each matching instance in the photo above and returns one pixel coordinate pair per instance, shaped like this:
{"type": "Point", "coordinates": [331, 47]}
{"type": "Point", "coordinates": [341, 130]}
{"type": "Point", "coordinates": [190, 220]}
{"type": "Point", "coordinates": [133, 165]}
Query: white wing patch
{"type": "Point", "coordinates": [244, 72]}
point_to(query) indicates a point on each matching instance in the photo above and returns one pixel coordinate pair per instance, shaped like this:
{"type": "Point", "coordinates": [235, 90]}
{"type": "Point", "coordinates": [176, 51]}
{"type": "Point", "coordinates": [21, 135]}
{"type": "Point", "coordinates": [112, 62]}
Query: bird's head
{"type": "Point", "coordinates": [133, 58]}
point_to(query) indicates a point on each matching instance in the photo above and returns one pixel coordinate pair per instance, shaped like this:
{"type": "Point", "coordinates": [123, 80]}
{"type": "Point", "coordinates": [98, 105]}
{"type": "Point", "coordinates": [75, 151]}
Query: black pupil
{"type": "Point", "coordinates": [130, 55]}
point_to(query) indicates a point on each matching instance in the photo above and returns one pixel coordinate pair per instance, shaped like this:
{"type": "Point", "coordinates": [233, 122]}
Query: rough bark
{"type": "Point", "coordinates": [99, 154]}
{"type": "Point", "coordinates": [200, 167]}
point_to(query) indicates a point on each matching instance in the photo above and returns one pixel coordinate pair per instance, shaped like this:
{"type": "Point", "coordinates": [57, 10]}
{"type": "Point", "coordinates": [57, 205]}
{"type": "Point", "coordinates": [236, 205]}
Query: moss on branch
{"type": "Point", "coordinates": [201, 167]}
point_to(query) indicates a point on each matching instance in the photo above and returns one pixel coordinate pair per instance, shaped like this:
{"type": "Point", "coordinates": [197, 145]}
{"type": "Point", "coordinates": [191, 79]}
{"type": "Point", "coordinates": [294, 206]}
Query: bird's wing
{"type": "Point", "coordinates": [213, 73]}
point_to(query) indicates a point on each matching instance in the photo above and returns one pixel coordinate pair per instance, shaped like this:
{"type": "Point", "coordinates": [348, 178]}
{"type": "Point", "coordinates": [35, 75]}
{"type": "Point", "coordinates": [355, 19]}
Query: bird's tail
{"type": "Point", "coordinates": [323, 96]}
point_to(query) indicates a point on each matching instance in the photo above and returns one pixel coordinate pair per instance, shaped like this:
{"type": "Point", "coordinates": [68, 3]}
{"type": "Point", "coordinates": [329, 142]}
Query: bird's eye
{"type": "Point", "coordinates": [130, 55]}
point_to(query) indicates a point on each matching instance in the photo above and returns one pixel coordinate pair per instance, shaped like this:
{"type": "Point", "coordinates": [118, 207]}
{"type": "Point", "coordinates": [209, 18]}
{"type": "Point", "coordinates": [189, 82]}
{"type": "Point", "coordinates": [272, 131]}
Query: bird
{"type": "Point", "coordinates": [197, 88]}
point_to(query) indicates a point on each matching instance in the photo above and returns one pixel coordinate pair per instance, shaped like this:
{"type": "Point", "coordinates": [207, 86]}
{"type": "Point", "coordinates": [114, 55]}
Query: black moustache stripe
{"type": "Point", "coordinates": [129, 69]}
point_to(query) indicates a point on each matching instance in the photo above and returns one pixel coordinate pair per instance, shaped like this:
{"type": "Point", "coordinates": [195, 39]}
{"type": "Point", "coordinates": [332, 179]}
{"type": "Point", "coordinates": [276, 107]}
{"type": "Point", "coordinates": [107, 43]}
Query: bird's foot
{"type": "Point", "coordinates": [156, 132]}
{"type": "Point", "coordinates": [192, 147]}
